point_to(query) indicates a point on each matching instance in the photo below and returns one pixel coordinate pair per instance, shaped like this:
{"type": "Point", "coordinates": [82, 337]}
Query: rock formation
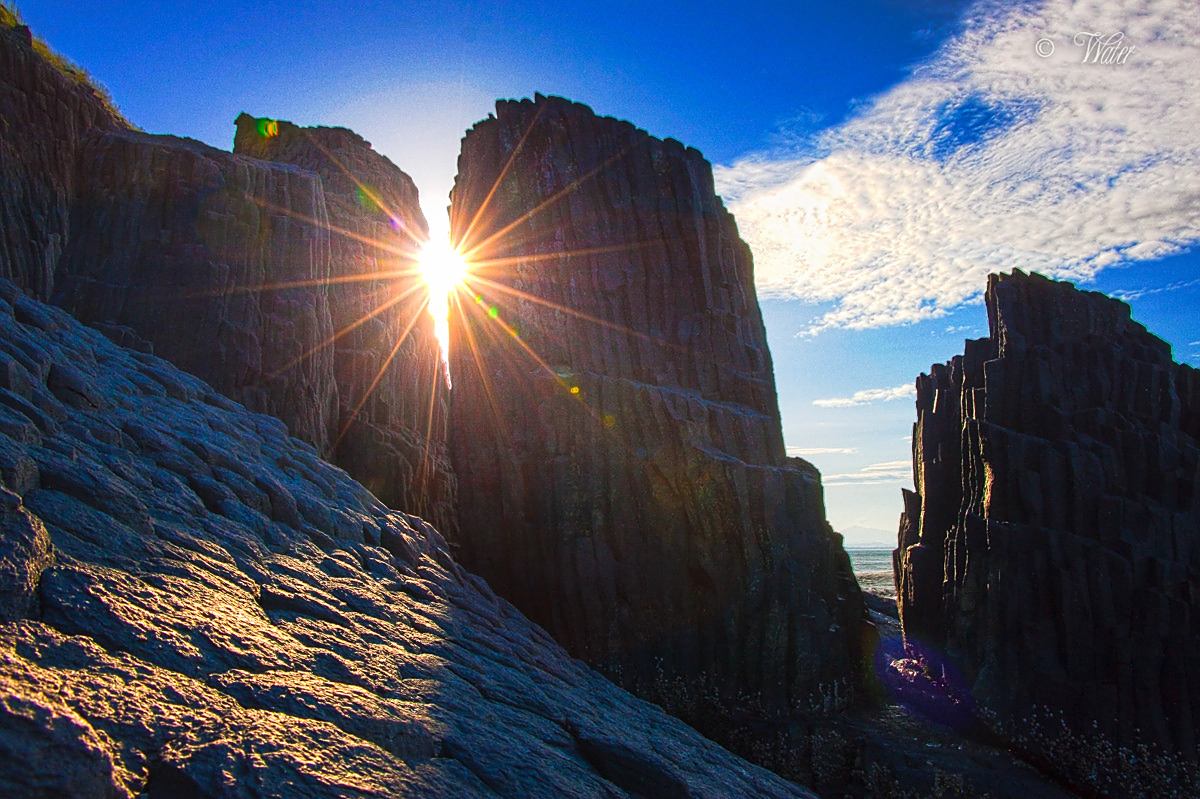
{"type": "Point", "coordinates": [393, 429]}
{"type": "Point", "coordinates": [237, 269]}
{"type": "Point", "coordinates": [194, 604]}
{"type": "Point", "coordinates": [1051, 551]}
{"type": "Point", "coordinates": [616, 436]}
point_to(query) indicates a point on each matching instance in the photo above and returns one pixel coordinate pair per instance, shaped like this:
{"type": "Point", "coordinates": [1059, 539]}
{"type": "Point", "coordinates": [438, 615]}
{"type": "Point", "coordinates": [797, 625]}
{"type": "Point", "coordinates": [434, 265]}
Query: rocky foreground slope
{"type": "Point", "coordinates": [194, 604]}
{"type": "Point", "coordinates": [1051, 551]}
{"type": "Point", "coordinates": [617, 431]}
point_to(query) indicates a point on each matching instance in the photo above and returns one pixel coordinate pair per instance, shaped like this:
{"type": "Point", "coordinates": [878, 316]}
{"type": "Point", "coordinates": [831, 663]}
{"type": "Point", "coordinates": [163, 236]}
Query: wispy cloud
{"type": "Point", "coordinates": [987, 157]}
{"type": "Point", "coordinates": [1131, 295]}
{"type": "Point", "coordinates": [868, 396]}
{"type": "Point", "coordinates": [886, 472]}
{"type": "Point", "coordinates": [805, 452]}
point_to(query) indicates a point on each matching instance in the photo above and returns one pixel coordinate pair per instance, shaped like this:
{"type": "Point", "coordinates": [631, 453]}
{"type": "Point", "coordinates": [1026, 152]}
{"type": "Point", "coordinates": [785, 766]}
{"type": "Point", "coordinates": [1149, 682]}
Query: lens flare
{"type": "Point", "coordinates": [443, 269]}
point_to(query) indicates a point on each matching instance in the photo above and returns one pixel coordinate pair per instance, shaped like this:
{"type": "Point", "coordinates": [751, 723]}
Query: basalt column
{"type": "Point", "coordinates": [1052, 549]}
{"type": "Point", "coordinates": [616, 435]}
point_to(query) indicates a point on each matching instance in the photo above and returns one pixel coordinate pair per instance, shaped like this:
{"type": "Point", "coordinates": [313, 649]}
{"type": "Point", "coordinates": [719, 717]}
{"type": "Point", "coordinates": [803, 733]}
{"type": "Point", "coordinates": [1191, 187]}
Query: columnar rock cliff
{"type": "Point", "coordinates": [1052, 548]}
{"type": "Point", "coordinates": [237, 269]}
{"type": "Point", "coordinates": [616, 435]}
{"type": "Point", "coordinates": [193, 604]}
{"type": "Point", "coordinates": [393, 430]}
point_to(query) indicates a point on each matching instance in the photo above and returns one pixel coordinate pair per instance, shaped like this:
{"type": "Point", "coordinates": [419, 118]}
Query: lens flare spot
{"type": "Point", "coordinates": [574, 389]}
{"type": "Point", "coordinates": [443, 269]}
{"type": "Point", "coordinates": [366, 199]}
{"type": "Point", "coordinates": [493, 312]}
{"type": "Point", "coordinates": [268, 128]}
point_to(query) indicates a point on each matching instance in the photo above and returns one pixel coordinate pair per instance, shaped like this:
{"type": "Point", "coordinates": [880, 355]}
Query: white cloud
{"type": "Point", "coordinates": [804, 452]}
{"type": "Point", "coordinates": [868, 396]}
{"type": "Point", "coordinates": [1094, 165]}
{"type": "Point", "coordinates": [876, 473]}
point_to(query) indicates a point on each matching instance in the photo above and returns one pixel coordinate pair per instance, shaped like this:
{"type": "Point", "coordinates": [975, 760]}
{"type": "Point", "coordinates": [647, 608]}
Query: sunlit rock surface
{"type": "Point", "coordinates": [392, 424]}
{"type": "Point", "coordinates": [195, 604]}
{"type": "Point", "coordinates": [616, 436]}
{"type": "Point", "coordinates": [1051, 552]}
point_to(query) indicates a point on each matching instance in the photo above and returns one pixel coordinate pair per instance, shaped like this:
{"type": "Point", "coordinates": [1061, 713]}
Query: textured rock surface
{"type": "Point", "coordinates": [627, 487]}
{"type": "Point", "coordinates": [45, 116]}
{"type": "Point", "coordinates": [224, 614]}
{"type": "Point", "coordinates": [1052, 548]}
{"type": "Point", "coordinates": [171, 243]}
{"type": "Point", "coordinates": [395, 428]}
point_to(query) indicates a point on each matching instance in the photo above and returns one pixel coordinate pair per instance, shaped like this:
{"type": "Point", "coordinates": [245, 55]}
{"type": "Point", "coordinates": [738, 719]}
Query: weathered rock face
{"type": "Point", "coordinates": [616, 436]}
{"type": "Point", "coordinates": [202, 607]}
{"type": "Point", "coordinates": [46, 116]}
{"type": "Point", "coordinates": [173, 241]}
{"type": "Point", "coordinates": [392, 426]}
{"type": "Point", "coordinates": [1052, 548]}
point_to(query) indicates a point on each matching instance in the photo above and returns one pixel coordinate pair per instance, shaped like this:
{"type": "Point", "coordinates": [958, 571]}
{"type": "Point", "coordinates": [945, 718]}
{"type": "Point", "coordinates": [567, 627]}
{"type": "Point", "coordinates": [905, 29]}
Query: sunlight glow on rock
{"type": "Point", "coordinates": [443, 269]}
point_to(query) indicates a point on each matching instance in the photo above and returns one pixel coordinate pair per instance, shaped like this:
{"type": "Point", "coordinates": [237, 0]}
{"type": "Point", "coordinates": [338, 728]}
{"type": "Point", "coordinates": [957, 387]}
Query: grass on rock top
{"type": "Point", "coordinates": [10, 17]}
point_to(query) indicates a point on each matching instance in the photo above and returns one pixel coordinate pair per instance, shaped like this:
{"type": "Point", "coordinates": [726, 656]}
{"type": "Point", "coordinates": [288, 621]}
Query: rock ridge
{"type": "Point", "coordinates": [240, 268]}
{"type": "Point", "coordinates": [392, 428]}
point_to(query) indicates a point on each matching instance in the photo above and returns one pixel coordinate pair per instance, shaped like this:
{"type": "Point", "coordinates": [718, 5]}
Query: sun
{"type": "Point", "coordinates": [443, 269]}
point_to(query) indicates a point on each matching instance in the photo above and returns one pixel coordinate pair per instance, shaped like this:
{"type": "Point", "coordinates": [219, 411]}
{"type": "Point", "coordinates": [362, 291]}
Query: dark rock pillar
{"type": "Point", "coordinates": [615, 432]}
{"type": "Point", "coordinates": [1057, 556]}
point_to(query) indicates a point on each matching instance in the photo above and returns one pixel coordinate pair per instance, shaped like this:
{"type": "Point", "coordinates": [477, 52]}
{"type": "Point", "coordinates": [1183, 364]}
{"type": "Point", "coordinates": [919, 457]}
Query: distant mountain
{"type": "Point", "coordinates": [860, 537]}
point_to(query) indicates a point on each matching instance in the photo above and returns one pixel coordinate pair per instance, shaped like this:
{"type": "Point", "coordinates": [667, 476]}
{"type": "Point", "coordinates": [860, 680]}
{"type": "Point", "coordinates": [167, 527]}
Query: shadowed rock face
{"type": "Point", "coordinates": [1052, 548]}
{"type": "Point", "coordinates": [394, 427]}
{"type": "Point", "coordinates": [227, 266]}
{"type": "Point", "coordinates": [196, 605]}
{"type": "Point", "coordinates": [45, 118]}
{"type": "Point", "coordinates": [616, 435]}
{"type": "Point", "coordinates": [171, 243]}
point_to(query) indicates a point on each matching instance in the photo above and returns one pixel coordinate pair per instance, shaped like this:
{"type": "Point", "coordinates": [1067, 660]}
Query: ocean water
{"type": "Point", "coordinates": [870, 559]}
{"type": "Point", "coordinates": [873, 568]}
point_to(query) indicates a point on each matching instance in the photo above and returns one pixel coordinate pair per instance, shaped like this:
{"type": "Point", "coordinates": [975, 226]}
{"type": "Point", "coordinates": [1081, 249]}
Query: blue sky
{"type": "Point", "coordinates": [869, 153]}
